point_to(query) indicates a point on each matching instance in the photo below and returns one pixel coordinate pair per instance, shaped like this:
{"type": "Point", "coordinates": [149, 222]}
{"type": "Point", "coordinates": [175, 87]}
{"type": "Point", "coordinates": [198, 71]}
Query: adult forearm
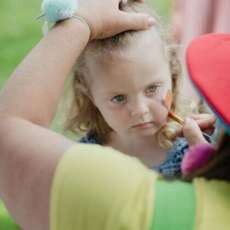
{"type": "Point", "coordinates": [36, 86]}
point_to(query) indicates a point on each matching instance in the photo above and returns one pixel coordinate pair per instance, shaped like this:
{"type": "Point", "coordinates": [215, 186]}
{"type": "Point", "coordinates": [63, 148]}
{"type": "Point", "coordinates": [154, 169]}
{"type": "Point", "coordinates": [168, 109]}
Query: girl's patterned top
{"type": "Point", "coordinates": [170, 167]}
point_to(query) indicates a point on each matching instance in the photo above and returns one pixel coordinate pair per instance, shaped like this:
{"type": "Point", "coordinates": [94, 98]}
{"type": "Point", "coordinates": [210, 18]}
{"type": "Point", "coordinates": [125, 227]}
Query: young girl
{"type": "Point", "coordinates": [120, 84]}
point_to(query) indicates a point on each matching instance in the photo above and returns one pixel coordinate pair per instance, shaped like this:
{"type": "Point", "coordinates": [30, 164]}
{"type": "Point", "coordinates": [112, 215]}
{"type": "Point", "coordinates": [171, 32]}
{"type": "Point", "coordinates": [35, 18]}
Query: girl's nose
{"type": "Point", "coordinates": [138, 108]}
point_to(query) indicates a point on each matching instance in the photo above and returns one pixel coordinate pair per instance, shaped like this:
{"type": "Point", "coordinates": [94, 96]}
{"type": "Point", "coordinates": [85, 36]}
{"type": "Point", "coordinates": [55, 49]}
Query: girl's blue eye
{"type": "Point", "coordinates": [119, 99]}
{"type": "Point", "coordinates": [151, 89]}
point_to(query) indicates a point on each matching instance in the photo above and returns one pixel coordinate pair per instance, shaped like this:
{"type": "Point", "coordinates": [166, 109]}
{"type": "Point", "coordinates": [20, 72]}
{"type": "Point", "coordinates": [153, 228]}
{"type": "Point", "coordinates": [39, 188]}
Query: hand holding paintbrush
{"type": "Point", "coordinates": [179, 120]}
{"type": "Point", "coordinates": [206, 124]}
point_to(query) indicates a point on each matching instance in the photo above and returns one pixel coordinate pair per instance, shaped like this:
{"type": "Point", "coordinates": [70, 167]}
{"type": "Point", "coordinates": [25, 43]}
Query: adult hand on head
{"type": "Point", "coordinates": [106, 19]}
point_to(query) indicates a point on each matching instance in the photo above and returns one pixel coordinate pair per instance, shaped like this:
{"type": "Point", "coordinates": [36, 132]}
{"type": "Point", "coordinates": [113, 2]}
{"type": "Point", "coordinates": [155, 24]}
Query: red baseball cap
{"type": "Point", "coordinates": [208, 64]}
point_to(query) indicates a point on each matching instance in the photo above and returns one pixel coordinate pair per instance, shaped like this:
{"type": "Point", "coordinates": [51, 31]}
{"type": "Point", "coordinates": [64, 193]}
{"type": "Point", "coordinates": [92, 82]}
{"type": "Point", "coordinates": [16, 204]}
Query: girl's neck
{"type": "Point", "coordinates": [145, 148]}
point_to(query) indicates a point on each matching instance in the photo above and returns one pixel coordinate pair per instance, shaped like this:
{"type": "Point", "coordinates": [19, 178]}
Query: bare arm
{"type": "Point", "coordinates": [30, 98]}
{"type": "Point", "coordinates": [30, 152]}
{"type": "Point", "coordinates": [35, 87]}
{"type": "Point", "coordinates": [29, 155]}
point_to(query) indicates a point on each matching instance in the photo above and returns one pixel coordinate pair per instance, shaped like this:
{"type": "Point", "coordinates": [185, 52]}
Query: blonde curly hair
{"type": "Point", "coordinates": [84, 115]}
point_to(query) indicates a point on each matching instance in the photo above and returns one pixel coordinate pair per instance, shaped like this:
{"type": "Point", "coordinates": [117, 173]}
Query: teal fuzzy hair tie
{"type": "Point", "coordinates": [56, 10]}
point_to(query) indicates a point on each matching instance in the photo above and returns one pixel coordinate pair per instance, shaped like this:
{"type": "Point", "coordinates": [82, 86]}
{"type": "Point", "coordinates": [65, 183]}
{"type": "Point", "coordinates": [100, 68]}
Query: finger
{"type": "Point", "coordinates": [179, 132]}
{"type": "Point", "coordinates": [200, 115]}
{"type": "Point", "coordinates": [134, 21]}
{"type": "Point", "coordinates": [204, 121]}
{"type": "Point", "coordinates": [206, 124]}
{"type": "Point", "coordinates": [203, 116]}
{"type": "Point", "coordinates": [192, 132]}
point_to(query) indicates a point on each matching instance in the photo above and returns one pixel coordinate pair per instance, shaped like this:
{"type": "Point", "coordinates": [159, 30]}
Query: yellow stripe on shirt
{"type": "Point", "coordinates": [213, 204]}
{"type": "Point", "coordinates": [98, 188]}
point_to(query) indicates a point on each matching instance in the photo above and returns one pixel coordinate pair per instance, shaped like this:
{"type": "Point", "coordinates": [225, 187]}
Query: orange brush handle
{"type": "Point", "coordinates": [176, 117]}
{"type": "Point", "coordinates": [167, 102]}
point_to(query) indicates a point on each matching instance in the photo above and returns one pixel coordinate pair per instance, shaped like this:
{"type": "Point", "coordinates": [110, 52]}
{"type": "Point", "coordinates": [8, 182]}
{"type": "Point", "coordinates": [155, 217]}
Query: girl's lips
{"type": "Point", "coordinates": [144, 125]}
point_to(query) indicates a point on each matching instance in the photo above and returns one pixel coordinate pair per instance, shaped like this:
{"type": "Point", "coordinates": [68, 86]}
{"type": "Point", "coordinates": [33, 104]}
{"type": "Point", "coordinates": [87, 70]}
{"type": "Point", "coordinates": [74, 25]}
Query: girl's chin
{"type": "Point", "coordinates": [146, 131]}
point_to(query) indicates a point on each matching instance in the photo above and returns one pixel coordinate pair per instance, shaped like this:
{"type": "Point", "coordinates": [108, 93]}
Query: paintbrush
{"type": "Point", "coordinates": [175, 117]}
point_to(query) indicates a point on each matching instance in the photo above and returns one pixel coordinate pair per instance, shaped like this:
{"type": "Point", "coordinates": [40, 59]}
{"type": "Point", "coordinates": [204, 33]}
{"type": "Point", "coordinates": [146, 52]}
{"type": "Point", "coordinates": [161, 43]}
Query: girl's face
{"type": "Point", "coordinates": [129, 87]}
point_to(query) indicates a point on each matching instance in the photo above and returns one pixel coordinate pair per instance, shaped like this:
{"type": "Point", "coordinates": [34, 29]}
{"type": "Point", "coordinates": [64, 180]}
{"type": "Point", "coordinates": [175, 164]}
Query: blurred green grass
{"type": "Point", "coordinates": [20, 32]}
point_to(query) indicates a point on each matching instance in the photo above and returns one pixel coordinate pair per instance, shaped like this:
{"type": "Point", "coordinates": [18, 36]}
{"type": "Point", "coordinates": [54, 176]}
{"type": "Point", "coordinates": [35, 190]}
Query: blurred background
{"type": "Point", "coordinates": [20, 31]}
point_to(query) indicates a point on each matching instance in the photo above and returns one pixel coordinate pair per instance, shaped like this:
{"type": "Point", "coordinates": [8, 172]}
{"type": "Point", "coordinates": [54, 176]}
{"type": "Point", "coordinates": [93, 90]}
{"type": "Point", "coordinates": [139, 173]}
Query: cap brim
{"type": "Point", "coordinates": [208, 64]}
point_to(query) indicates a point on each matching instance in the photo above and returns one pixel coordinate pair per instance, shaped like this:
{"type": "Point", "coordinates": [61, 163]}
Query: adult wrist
{"type": "Point", "coordinates": [56, 11]}
{"type": "Point", "coordinates": [76, 27]}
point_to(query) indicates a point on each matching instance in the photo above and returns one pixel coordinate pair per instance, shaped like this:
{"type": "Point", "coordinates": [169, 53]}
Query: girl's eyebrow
{"type": "Point", "coordinates": [106, 92]}
{"type": "Point", "coordinates": [114, 93]}
{"type": "Point", "coordinates": [118, 92]}
{"type": "Point", "coordinates": [155, 83]}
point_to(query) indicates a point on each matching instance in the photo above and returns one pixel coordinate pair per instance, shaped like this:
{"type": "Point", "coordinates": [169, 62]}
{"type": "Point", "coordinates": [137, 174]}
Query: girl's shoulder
{"type": "Point", "coordinates": [171, 166]}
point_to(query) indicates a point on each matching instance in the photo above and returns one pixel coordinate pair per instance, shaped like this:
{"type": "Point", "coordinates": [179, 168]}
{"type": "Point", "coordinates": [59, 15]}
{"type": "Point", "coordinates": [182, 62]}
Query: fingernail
{"type": "Point", "coordinates": [188, 120]}
{"type": "Point", "coordinates": [151, 21]}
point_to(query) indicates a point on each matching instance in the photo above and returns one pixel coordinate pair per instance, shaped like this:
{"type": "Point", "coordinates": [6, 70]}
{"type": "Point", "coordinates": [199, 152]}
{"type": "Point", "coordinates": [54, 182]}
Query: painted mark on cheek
{"type": "Point", "coordinates": [167, 101]}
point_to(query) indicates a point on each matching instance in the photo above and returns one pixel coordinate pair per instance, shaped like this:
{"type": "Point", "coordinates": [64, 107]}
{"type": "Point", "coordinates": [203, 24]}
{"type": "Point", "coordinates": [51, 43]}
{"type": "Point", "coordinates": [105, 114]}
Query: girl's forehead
{"type": "Point", "coordinates": [129, 75]}
{"type": "Point", "coordinates": [134, 44]}
{"type": "Point", "coordinates": [137, 61]}
{"type": "Point", "coordinates": [142, 61]}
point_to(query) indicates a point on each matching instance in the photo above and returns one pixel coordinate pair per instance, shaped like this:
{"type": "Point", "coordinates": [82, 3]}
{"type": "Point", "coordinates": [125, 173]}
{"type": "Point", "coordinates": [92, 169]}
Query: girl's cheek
{"type": "Point", "coordinates": [116, 113]}
{"type": "Point", "coordinates": [160, 114]}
